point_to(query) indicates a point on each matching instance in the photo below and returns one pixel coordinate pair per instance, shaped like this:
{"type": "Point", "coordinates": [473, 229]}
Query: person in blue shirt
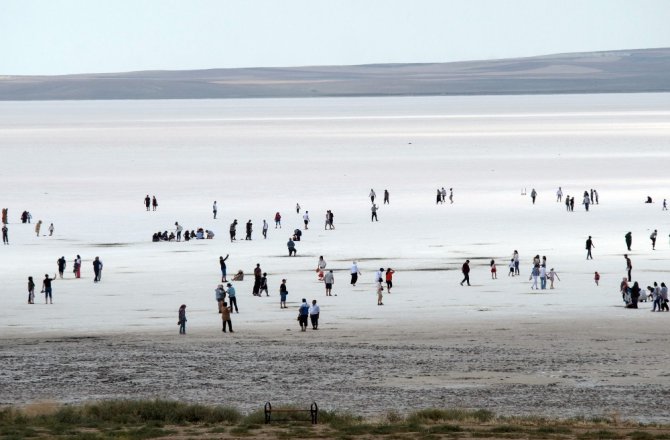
{"type": "Point", "coordinates": [232, 299]}
{"type": "Point", "coordinates": [303, 313]}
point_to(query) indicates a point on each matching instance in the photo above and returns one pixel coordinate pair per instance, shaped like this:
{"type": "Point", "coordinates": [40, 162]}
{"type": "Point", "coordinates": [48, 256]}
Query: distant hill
{"type": "Point", "coordinates": [625, 71]}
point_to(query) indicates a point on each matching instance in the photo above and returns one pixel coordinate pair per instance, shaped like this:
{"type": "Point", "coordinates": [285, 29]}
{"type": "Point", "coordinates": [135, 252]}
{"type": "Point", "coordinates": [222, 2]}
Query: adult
{"type": "Point", "coordinates": [249, 229]}
{"type": "Point", "coordinates": [265, 230]}
{"type": "Point", "coordinates": [372, 195]}
{"type": "Point", "coordinates": [283, 291]}
{"type": "Point", "coordinates": [629, 266]}
{"type": "Point", "coordinates": [438, 197]}
{"type": "Point", "coordinates": [258, 274]}
{"type": "Point", "coordinates": [534, 275]}
{"type": "Point", "coordinates": [97, 269]}
{"type": "Point", "coordinates": [629, 239]}
{"type": "Point", "coordinates": [31, 291]}
{"type": "Point", "coordinates": [587, 201]}
{"type": "Point", "coordinates": [515, 256]}
{"type": "Point", "coordinates": [303, 313]}
{"type": "Point", "coordinates": [533, 195]}
{"type": "Point", "coordinates": [559, 194]}
{"type": "Point", "coordinates": [451, 196]}
{"type": "Point", "coordinates": [652, 237]}
{"type": "Point", "coordinates": [277, 220]}
{"type": "Point", "coordinates": [51, 229]}
{"type": "Point", "coordinates": [290, 244]}
{"type": "Point", "coordinates": [354, 274]}
{"type": "Point", "coordinates": [77, 266]}
{"type": "Point", "coordinates": [589, 246]}
{"type": "Point", "coordinates": [46, 288]}
{"type": "Point", "coordinates": [61, 266]}
{"type": "Point", "coordinates": [320, 267]}
{"type": "Point", "coordinates": [220, 295]}
{"type": "Point", "coordinates": [5, 234]}
{"type": "Point", "coordinates": [374, 213]}
{"type": "Point", "coordinates": [305, 219]}
{"type": "Point", "coordinates": [154, 203]}
{"type": "Point", "coordinates": [222, 263]}
{"type": "Point", "coordinates": [443, 193]}
{"type": "Point", "coordinates": [329, 280]}
{"type": "Point", "coordinates": [38, 226]}
{"type": "Point", "coordinates": [215, 209]}
{"type": "Point", "coordinates": [572, 204]}
{"type": "Point", "coordinates": [567, 203]}
{"type": "Point", "coordinates": [179, 228]}
{"type": "Point", "coordinates": [543, 277]}
{"type": "Point", "coordinates": [386, 197]}
{"type": "Point", "coordinates": [233, 230]}
{"type": "Point", "coordinates": [634, 296]}
{"type": "Point", "coordinates": [232, 298]}
{"type": "Point", "coordinates": [297, 208]}
{"type": "Point", "coordinates": [389, 279]}
{"type": "Point", "coordinates": [466, 272]}
{"type": "Point", "coordinates": [664, 298]}
{"type": "Point", "coordinates": [314, 312]}
{"type": "Point", "coordinates": [147, 202]}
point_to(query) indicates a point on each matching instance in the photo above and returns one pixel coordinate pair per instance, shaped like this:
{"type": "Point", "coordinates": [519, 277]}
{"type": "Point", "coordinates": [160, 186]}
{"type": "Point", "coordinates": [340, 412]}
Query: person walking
{"type": "Point", "coordinates": [5, 234]}
{"type": "Point", "coordinates": [233, 230]}
{"type": "Point", "coordinates": [551, 277]}
{"type": "Point", "coordinates": [596, 278]}
{"type": "Point", "coordinates": [182, 319]}
{"type": "Point", "coordinates": [533, 195]}
{"type": "Point", "coordinates": [225, 318]}
{"type": "Point", "coordinates": [354, 274]}
{"type": "Point", "coordinates": [320, 267]}
{"type": "Point", "coordinates": [265, 230]}
{"type": "Point", "coordinates": [97, 269]}
{"type": "Point", "coordinates": [38, 226]}
{"type": "Point", "coordinates": [46, 288]}
{"type": "Point", "coordinates": [249, 229]}
{"type": "Point", "coordinates": [232, 297]}
{"type": "Point", "coordinates": [61, 266]}
{"type": "Point", "coordinates": [374, 213]}
{"type": "Point", "coordinates": [372, 195]}
{"type": "Point", "coordinates": [277, 220]}
{"type": "Point", "coordinates": [572, 204]}
{"type": "Point", "coordinates": [534, 275]}
{"type": "Point", "coordinates": [443, 193]}
{"type": "Point", "coordinates": [466, 272]}
{"type": "Point", "coordinates": [147, 202]}
{"type": "Point", "coordinates": [77, 266]}
{"type": "Point", "coordinates": [587, 201]}
{"type": "Point", "coordinates": [386, 197]}
{"type": "Point", "coordinates": [290, 244]}
{"type": "Point", "coordinates": [31, 291]}
{"type": "Point", "coordinates": [629, 266]}
{"type": "Point", "coordinates": [303, 313]}
{"type": "Point", "coordinates": [154, 203]}
{"type": "Point", "coordinates": [652, 237]}
{"type": "Point", "coordinates": [178, 228]}
{"type": "Point", "coordinates": [51, 229]}
{"type": "Point", "coordinates": [664, 298]}
{"type": "Point", "coordinates": [329, 280]}
{"type": "Point", "coordinates": [314, 312]}
{"type": "Point", "coordinates": [220, 296]}
{"type": "Point", "coordinates": [215, 209]}
{"type": "Point", "coordinates": [222, 263]}
{"type": "Point", "coordinates": [559, 195]}
{"type": "Point", "coordinates": [438, 197]}
{"type": "Point", "coordinates": [629, 240]}
{"type": "Point", "coordinates": [297, 208]}
{"type": "Point", "coordinates": [589, 246]}
{"type": "Point", "coordinates": [283, 291]}
{"type": "Point", "coordinates": [264, 285]}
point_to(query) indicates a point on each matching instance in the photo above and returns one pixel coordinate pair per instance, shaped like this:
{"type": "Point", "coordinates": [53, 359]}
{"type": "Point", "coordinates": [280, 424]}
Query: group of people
{"type": "Point", "coordinates": [441, 196]}
{"type": "Point", "coordinates": [199, 234]}
{"type": "Point", "coordinates": [61, 264]}
{"type": "Point", "coordinates": [632, 295]}
{"type": "Point", "coordinates": [150, 203]}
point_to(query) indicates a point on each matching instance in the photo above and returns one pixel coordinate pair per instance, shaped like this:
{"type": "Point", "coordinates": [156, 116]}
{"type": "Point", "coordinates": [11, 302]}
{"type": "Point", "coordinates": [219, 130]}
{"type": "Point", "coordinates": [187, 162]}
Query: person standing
{"type": "Point", "coordinates": [466, 272]}
{"type": "Point", "coordinates": [634, 294]}
{"type": "Point", "coordinates": [31, 291]}
{"type": "Point", "coordinates": [61, 266]}
{"type": "Point", "coordinates": [629, 240]}
{"type": "Point", "coordinates": [380, 294]}
{"type": "Point", "coordinates": [587, 201]}
{"type": "Point", "coordinates": [97, 269]}
{"type": "Point", "coordinates": [147, 202]}
{"type": "Point", "coordinates": [589, 246]}
{"type": "Point", "coordinates": [214, 209]}
{"type": "Point", "coordinates": [46, 288]}
{"type": "Point", "coordinates": [665, 205]}
{"type": "Point", "coordinates": [386, 197]}
{"type": "Point", "coordinates": [451, 196]}
{"type": "Point", "coordinates": [154, 203]}
{"type": "Point", "coordinates": [297, 208]}
{"type": "Point", "coordinates": [438, 197]}
{"type": "Point", "coordinates": [258, 273]}
{"type": "Point", "coordinates": [443, 193]}
{"type": "Point", "coordinates": [314, 312]}
{"type": "Point", "coordinates": [629, 266]}
{"type": "Point", "coordinates": [533, 195]}
{"type": "Point", "coordinates": [372, 195]}
{"type": "Point", "coordinates": [51, 229]}
{"type": "Point", "coordinates": [305, 218]}
{"type": "Point", "coordinates": [494, 270]}
{"type": "Point", "coordinates": [595, 193]}
{"type": "Point", "coordinates": [534, 275]}
{"type": "Point", "coordinates": [329, 280]}
{"type": "Point", "coordinates": [182, 319]}
{"type": "Point", "coordinates": [543, 277]}
{"type": "Point", "coordinates": [652, 237]}
{"type": "Point", "coordinates": [77, 266]}
{"type": "Point", "coordinates": [265, 230]}
{"type": "Point", "coordinates": [516, 263]}
{"type": "Point", "coordinates": [222, 263]}
{"type": "Point", "coordinates": [303, 313]}
{"type": "Point", "coordinates": [38, 226]}
{"type": "Point", "coordinates": [567, 203]}
{"type": "Point", "coordinates": [331, 219]}
{"type": "Point", "coordinates": [249, 228]}
{"type": "Point", "coordinates": [283, 291]}
{"type": "Point", "coordinates": [389, 279]}
{"type": "Point", "coordinates": [233, 231]}
{"type": "Point", "coordinates": [320, 267]}
{"type": "Point", "coordinates": [551, 277]}
{"type": "Point", "coordinates": [559, 195]}
{"type": "Point", "coordinates": [5, 234]}
{"type": "Point", "coordinates": [572, 204]}
{"type": "Point", "coordinates": [232, 297]}
{"type": "Point", "coordinates": [5, 213]}
{"type": "Point", "coordinates": [277, 220]}
{"type": "Point", "coordinates": [354, 274]}
{"type": "Point", "coordinates": [374, 213]}
{"type": "Point", "coordinates": [664, 298]}
{"type": "Point", "coordinates": [220, 295]}
{"type": "Point", "coordinates": [225, 318]}
{"type": "Point", "coordinates": [179, 228]}
{"type": "Point", "coordinates": [290, 244]}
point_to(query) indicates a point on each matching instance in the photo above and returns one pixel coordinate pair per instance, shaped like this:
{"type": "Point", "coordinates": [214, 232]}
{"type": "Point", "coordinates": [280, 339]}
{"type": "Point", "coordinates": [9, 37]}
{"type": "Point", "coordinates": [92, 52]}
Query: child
{"type": "Point", "coordinates": [225, 318]}
{"type": "Point", "coordinates": [264, 285]}
{"type": "Point", "coordinates": [31, 291]}
{"type": "Point", "coordinates": [282, 294]}
{"type": "Point", "coordinates": [551, 276]}
{"type": "Point", "coordinates": [182, 319]}
{"type": "Point", "coordinates": [380, 290]}
{"type": "Point", "coordinates": [596, 278]}
{"type": "Point", "coordinates": [511, 267]}
{"type": "Point", "coordinates": [494, 271]}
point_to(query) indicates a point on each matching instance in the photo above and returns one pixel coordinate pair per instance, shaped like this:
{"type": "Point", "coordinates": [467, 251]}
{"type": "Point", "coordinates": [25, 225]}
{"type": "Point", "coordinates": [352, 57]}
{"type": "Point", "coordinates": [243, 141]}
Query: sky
{"type": "Point", "coordinates": [50, 37]}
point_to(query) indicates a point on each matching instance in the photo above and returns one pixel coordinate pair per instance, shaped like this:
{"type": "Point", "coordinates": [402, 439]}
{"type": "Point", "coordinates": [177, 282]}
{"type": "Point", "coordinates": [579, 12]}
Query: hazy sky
{"type": "Point", "coordinates": [76, 36]}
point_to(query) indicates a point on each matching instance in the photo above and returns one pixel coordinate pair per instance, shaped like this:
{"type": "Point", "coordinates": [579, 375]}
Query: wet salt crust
{"type": "Point", "coordinates": [86, 167]}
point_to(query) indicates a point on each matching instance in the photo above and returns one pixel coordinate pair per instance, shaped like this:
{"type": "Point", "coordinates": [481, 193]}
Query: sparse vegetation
{"type": "Point", "coordinates": [165, 419]}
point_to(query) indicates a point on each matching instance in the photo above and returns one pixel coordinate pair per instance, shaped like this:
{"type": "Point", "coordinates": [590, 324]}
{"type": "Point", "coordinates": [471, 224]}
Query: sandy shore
{"type": "Point", "coordinates": [550, 367]}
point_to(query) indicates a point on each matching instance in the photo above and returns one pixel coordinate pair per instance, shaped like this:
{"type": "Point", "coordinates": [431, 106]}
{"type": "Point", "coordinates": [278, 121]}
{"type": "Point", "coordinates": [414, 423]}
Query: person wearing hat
{"type": "Point", "coordinates": [220, 295]}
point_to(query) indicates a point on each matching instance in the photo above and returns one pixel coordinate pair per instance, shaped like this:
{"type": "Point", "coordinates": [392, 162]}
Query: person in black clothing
{"type": "Point", "coordinates": [466, 272]}
{"type": "Point", "coordinates": [634, 296]}
{"type": "Point", "coordinates": [222, 263]}
{"type": "Point", "coordinates": [5, 236]}
{"type": "Point", "coordinates": [97, 269]}
{"type": "Point", "coordinates": [154, 203]}
{"type": "Point", "coordinates": [589, 246]}
{"type": "Point", "coordinates": [257, 280]}
{"type": "Point", "coordinates": [386, 197]}
{"type": "Point", "coordinates": [147, 201]}
{"type": "Point", "coordinates": [61, 266]}
{"type": "Point", "coordinates": [249, 229]}
{"type": "Point", "coordinates": [629, 266]}
{"type": "Point", "coordinates": [233, 227]}
{"type": "Point", "coordinates": [629, 240]}
{"type": "Point", "coordinates": [46, 288]}
{"type": "Point", "coordinates": [572, 203]}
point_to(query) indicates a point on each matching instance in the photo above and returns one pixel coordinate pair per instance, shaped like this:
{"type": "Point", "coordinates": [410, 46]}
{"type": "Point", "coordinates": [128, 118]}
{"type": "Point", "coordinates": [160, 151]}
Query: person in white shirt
{"type": "Point", "coordinates": [179, 228]}
{"type": "Point", "coordinates": [314, 311]}
{"type": "Point", "coordinates": [265, 229]}
{"type": "Point", "coordinates": [559, 194]}
{"type": "Point", "coordinates": [354, 274]}
{"type": "Point", "coordinates": [372, 195]}
{"type": "Point", "coordinates": [329, 279]}
{"type": "Point", "coordinates": [305, 218]}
